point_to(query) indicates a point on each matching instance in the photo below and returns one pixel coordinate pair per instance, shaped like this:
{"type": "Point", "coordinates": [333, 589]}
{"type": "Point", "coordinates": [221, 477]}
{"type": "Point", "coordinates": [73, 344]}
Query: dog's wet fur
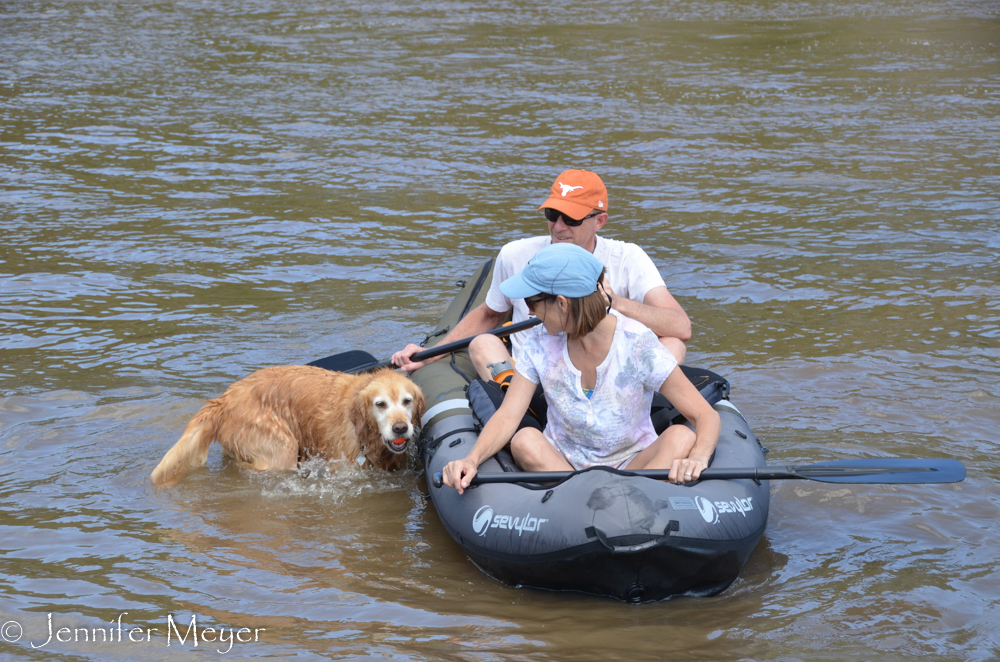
{"type": "Point", "coordinates": [278, 416]}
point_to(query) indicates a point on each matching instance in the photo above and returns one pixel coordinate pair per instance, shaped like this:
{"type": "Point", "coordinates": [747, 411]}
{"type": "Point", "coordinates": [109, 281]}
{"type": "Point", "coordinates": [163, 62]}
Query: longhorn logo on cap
{"type": "Point", "coordinates": [566, 188]}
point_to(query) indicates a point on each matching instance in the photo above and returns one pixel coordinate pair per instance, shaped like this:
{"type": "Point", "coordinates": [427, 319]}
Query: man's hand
{"type": "Point", "coordinates": [609, 293]}
{"type": "Point", "coordinates": [401, 359]}
{"type": "Point", "coordinates": [479, 320]}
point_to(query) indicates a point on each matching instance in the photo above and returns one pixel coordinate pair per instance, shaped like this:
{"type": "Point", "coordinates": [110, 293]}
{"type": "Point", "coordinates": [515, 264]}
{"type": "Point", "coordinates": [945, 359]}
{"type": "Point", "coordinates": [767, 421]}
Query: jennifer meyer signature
{"type": "Point", "coordinates": [193, 635]}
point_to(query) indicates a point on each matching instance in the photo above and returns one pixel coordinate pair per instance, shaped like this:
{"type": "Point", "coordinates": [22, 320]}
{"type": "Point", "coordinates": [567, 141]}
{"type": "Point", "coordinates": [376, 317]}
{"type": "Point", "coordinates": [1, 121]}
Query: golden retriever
{"type": "Point", "coordinates": [278, 416]}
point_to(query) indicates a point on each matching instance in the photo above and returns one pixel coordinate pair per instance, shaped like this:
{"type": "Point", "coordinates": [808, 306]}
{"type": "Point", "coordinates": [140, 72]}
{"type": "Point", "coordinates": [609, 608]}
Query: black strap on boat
{"type": "Point", "coordinates": [432, 444]}
{"type": "Point", "coordinates": [593, 532]}
{"type": "Point", "coordinates": [440, 332]}
{"type": "Point", "coordinates": [487, 268]}
{"type": "Point", "coordinates": [460, 372]}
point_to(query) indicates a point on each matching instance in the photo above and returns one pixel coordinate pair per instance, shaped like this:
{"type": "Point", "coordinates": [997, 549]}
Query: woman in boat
{"type": "Point", "coordinates": [599, 370]}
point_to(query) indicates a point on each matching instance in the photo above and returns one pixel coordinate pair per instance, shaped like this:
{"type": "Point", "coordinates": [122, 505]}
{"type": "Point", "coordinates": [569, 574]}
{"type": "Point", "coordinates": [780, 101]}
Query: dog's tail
{"type": "Point", "coordinates": [191, 450]}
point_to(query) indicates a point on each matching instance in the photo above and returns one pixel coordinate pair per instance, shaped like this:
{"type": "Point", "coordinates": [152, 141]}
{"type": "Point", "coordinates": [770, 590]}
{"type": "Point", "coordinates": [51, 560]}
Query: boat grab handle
{"type": "Point", "coordinates": [594, 532]}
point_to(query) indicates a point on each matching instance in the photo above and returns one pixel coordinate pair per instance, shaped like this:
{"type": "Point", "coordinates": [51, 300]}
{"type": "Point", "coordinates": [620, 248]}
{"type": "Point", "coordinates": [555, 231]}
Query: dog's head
{"type": "Point", "coordinates": [392, 405]}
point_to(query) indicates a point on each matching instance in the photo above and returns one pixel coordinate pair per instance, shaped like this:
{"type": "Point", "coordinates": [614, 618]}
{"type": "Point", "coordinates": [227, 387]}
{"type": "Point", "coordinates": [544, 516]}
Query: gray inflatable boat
{"type": "Point", "coordinates": [599, 531]}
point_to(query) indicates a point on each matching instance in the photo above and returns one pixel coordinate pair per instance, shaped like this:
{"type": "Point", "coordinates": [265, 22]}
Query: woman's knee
{"type": "Point", "coordinates": [681, 438]}
{"type": "Point", "coordinates": [522, 442]}
{"type": "Point", "coordinates": [526, 446]}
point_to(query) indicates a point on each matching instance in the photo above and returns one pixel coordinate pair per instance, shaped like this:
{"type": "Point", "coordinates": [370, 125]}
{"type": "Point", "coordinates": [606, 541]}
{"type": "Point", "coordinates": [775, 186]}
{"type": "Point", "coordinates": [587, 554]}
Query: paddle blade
{"type": "Point", "coordinates": [884, 471]}
{"type": "Point", "coordinates": [346, 361]}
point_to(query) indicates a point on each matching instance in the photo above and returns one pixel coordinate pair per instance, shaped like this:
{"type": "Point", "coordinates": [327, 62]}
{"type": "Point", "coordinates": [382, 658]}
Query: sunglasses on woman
{"type": "Point", "coordinates": [552, 215]}
{"type": "Point", "coordinates": [531, 302]}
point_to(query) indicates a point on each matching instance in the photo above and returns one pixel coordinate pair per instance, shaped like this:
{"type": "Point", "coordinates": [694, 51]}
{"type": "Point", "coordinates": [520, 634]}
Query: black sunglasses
{"type": "Point", "coordinates": [531, 302]}
{"type": "Point", "coordinates": [552, 215]}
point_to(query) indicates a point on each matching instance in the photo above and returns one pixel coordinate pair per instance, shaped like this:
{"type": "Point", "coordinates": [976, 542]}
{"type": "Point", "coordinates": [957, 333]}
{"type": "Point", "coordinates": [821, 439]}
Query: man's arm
{"type": "Point", "coordinates": [480, 319]}
{"type": "Point", "coordinates": [659, 311]}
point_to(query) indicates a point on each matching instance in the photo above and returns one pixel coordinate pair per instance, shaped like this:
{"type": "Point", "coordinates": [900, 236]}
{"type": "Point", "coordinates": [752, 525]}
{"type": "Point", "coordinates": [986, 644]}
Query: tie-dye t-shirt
{"type": "Point", "coordinates": [613, 425]}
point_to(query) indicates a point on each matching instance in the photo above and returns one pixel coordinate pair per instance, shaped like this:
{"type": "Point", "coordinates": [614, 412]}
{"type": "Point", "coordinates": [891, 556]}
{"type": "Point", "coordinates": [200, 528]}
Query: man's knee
{"type": "Point", "coordinates": [676, 347]}
{"type": "Point", "coordinates": [484, 350]}
{"type": "Point", "coordinates": [486, 345]}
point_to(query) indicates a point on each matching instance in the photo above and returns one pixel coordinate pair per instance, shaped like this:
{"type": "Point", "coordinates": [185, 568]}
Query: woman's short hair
{"type": "Point", "coordinates": [587, 312]}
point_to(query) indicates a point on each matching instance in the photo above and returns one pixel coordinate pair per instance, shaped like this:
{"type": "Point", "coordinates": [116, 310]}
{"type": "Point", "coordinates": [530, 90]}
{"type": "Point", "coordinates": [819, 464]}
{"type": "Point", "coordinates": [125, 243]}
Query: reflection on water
{"type": "Point", "coordinates": [192, 191]}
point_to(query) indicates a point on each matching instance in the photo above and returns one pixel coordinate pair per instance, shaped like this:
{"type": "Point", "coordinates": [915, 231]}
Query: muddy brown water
{"type": "Point", "coordinates": [190, 191]}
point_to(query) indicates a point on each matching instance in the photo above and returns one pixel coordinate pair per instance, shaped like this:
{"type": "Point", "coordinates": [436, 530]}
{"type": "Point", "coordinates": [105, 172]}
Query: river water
{"type": "Point", "coordinates": [193, 190]}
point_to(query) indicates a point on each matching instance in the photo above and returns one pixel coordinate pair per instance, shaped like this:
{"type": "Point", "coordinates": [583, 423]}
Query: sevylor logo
{"type": "Point", "coordinates": [710, 510]}
{"type": "Point", "coordinates": [484, 520]}
{"type": "Point", "coordinates": [481, 520]}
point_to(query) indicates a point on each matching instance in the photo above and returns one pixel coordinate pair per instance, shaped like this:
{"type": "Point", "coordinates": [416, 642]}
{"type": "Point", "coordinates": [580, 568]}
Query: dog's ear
{"type": "Point", "coordinates": [419, 406]}
{"type": "Point", "coordinates": [359, 412]}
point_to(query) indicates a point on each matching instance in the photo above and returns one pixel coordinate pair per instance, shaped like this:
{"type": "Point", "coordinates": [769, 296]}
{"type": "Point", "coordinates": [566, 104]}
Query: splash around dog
{"type": "Point", "coordinates": [180, 633]}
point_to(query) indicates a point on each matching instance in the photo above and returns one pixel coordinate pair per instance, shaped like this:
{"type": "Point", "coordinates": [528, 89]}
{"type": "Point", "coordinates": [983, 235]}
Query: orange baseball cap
{"type": "Point", "coordinates": [577, 193]}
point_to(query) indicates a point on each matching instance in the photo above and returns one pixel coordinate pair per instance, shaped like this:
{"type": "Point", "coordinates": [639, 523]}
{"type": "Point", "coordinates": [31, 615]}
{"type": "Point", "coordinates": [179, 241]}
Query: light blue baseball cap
{"type": "Point", "coordinates": [561, 268]}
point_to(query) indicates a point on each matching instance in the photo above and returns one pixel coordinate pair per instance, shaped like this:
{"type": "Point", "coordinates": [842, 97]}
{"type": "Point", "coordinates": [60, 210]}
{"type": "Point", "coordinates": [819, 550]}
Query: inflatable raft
{"type": "Point", "coordinates": [600, 531]}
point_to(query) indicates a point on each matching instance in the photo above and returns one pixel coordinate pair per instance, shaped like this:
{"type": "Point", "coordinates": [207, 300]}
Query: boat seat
{"type": "Point", "coordinates": [506, 460]}
{"type": "Point", "coordinates": [486, 397]}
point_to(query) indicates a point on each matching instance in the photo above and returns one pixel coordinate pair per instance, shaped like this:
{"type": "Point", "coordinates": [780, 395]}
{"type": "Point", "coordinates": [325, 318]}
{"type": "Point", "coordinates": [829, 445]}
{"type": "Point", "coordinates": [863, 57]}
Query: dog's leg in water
{"type": "Point", "coordinates": [191, 450]}
{"type": "Point", "coordinates": [278, 450]}
{"type": "Point", "coordinates": [266, 442]}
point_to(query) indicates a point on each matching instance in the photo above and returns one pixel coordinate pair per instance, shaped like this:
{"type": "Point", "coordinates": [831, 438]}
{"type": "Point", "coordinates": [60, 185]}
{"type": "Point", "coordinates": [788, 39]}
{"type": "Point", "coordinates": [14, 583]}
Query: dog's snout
{"type": "Point", "coordinates": [400, 428]}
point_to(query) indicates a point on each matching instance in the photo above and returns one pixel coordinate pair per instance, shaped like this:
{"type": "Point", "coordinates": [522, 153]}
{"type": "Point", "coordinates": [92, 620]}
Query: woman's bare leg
{"type": "Point", "coordinates": [533, 452]}
{"type": "Point", "coordinates": [675, 442]}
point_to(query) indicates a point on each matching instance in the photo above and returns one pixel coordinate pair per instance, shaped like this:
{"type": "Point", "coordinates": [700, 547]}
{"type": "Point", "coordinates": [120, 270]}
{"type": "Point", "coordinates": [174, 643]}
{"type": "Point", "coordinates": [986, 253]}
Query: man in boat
{"type": "Point", "coordinates": [577, 207]}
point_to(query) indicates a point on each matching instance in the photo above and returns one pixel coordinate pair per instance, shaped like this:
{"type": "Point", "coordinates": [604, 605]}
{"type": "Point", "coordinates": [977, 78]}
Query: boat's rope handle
{"type": "Point", "coordinates": [594, 532]}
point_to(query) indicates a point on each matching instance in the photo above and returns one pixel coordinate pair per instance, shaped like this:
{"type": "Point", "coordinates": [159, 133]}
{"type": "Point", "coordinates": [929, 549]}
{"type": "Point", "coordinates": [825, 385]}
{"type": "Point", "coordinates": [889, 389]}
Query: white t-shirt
{"type": "Point", "coordinates": [611, 426]}
{"type": "Point", "coordinates": [627, 267]}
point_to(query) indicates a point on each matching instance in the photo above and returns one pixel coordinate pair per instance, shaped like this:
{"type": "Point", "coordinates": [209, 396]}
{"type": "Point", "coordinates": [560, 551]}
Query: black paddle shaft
{"type": "Point", "coordinates": [358, 361]}
{"type": "Point", "coordinates": [462, 344]}
{"type": "Point", "coordinates": [898, 471]}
